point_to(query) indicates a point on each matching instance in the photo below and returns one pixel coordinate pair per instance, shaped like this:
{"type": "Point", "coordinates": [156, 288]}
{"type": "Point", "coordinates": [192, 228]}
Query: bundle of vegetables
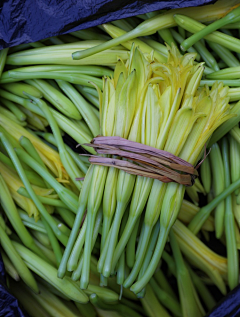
{"type": "Point", "coordinates": [78, 232]}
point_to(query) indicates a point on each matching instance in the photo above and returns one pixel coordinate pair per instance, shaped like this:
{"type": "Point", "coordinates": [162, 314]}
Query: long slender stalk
{"type": "Point", "coordinates": [28, 187]}
{"type": "Point", "coordinates": [17, 261]}
{"type": "Point", "coordinates": [232, 252]}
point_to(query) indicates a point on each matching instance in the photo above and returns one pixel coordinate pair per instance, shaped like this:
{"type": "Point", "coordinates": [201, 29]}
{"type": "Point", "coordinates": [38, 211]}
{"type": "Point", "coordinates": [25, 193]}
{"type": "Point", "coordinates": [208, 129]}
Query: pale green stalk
{"type": "Point", "coordinates": [18, 88]}
{"type": "Point", "coordinates": [66, 215]}
{"type": "Point", "coordinates": [12, 214]}
{"type": "Point", "coordinates": [82, 105]}
{"type": "Point", "coordinates": [156, 46]}
{"type": "Point", "coordinates": [121, 262]}
{"type": "Point", "coordinates": [165, 299]}
{"type": "Point", "coordinates": [162, 281]}
{"type": "Point", "coordinates": [225, 54]}
{"type": "Point", "coordinates": [63, 57]}
{"type": "Point", "coordinates": [54, 242]}
{"type": "Point", "coordinates": [49, 273]}
{"type": "Point", "coordinates": [75, 229]}
{"type": "Point", "coordinates": [94, 200]}
{"type": "Point", "coordinates": [14, 109]}
{"type": "Point", "coordinates": [235, 133]}
{"type": "Point", "coordinates": [18, 263]}
{"type": "Point", "coordinates": [65, 157]}
{"type": "Point", "coordinates": [232, 251]}
{"type": "Point", "coordinates": [130, 248]}
{"type": "Point", "coordinates": [78, 271]}
{"type": "Point", "coordinates": [58, 99]}
{"type": "Point", "coordinates": [205, 172]}
{"type": "Point", "coordinates": [116, 32]}
{"type": "Point", "coordinates": [18, 166]}
{"type": "Point", "coordinates": [78, 159]}
{"type": "Point", "coordinates": [234, 156]}
{"type": "Point", "coordinates": [67, 196]}
{"type": "Point", "coordinates": [3, 57]}
{"type": "Point", "coordinates": [200, 256]}
{"type": "Point", "coordinates": [194, 26]}
{"type": "Point", "coordinates": [12, 116]}
{"type": "Point", "coordinates": [226, 126]}
{"type": "Point", "coordinates": [151, 304]}
{"type": "Point", "coordinates": [90, 35]}
{"type": "Point", "coordinates": [45, 200]}
{"type": "Point", "coordinates": [30, 222]}
{"type": "Point", "coordinates": [217, 169]}
{"type": "Point", "coordinates": [167, 36]}
{"type": "Point", "coordinates": [81, 79]}
{"type": "Point", "coordinates": [233, 16]}
{"type": "Point", "coordinates": [179, 39]}
{"type": "Point", "coordinates": [9, 267]}
{"type": "Point", "coordinates": [123, 24]}
{"type": "Point", "coordinates": [202, 289]}
{"type": "Point", "coordinates": [190, 302]}
{"type": "Point", "coordinates": [77, 249]}
{"type": "Point", "coordinates": [122, 309]}
{"type": "Point", "coordinates": [87, 92]}
{"type": "Point", "coordinates": [42, 238]}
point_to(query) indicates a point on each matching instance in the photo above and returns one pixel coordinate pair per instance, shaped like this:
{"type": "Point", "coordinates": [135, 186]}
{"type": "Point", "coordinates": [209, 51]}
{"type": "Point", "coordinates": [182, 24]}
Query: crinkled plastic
{"type": "Point", "coordinates": [9, 306]}
{"type": "Point", "coordinates": [229, 306]}
{"type": "Point", "coordinates": [26, 21]}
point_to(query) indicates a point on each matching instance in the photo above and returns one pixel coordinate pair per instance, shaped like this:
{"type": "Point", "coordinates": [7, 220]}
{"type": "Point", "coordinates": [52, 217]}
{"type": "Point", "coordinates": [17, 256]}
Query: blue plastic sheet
{"type": "Point", "coordinates": [229, 307]}
{"type": "Point", "coordinates": [26, 21]}
{"type": "Point", "coordinates": [9, 306]}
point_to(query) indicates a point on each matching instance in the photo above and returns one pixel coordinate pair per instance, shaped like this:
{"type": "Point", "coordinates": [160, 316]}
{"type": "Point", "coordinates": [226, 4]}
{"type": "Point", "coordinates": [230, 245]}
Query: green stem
{"type": "Point", "coordinates": [14, 109]}
{"type": "Point", "coordinates": [225, 54]}
{"type": "Point", "coordinates": [77, 223]}
{"type": "Point", "coordinates": [165, 299]}
{"type": "Point", "coordinates": [77, 249]}
{"type": "Point", "coordinates": [66, 159]}
{"type": "Point", "coordinates": [140, 256]}
{"type": "Point", "coordinates": [17, 261]}
{"type": "Point", "coordinates": [80, 79]}
{"type": "Point", "coordinates": [107, 268]}
{"type": "Point", "coordinates": [161, 279]}
{"type": "Point", "coordinates": [68, 197]}
{"type": "Point", "coordinates": [232, 252]}
{"type": "Point", "coordinates": [45, 200]}
{"type": "Point", "coordinates": [3, 56]}
{"type": "Point", "coordinates": [89, 96]}
{"type": "Point", "coordinates": [198, 220]}
{"type": "Point", "coordinates": [77, 273]}
{"type": "Point", "coordinates": [193, 26]}
{"type": "Point", "coordinates": [130, 249]}
{"type": "Point", "coordinates": [145, 278]}
{"type": "Point", "coordinates": [179, 39]}
{"type": "Point", "coordinates": [28, 186]}
{"type": "Point", "coordinates": [226, 82]}
{"type": "Point", "coordinates": [54, 242]}
{"type": "Point", "coordinates": [231, 17]}
{"type": "Point", "coordinates": [82, 105]}
{"type": "Point", "coordinates": [14, 218]}
{"type": "Point", "coordinates": [66, 215]}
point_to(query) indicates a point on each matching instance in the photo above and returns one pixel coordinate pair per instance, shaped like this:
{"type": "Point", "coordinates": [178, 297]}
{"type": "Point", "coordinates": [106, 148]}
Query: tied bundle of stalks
{"type": "Point", "coordinates": [158, 105]}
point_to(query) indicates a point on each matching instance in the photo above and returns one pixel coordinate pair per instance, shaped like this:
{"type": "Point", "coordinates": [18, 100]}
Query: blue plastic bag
{"type": "Point", "coordinates": [9, 306]}
{"type": "Point", "coordinates": [26, 21]}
